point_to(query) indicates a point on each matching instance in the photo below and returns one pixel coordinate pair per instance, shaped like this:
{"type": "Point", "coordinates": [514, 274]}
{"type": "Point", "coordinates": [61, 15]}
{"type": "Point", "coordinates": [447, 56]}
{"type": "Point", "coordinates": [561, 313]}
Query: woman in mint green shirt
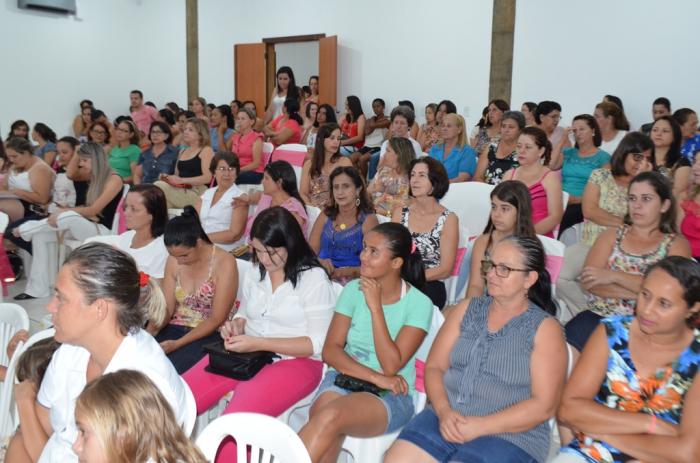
{"type": "Point", "coordinates": [124, 157]}
{"type": "Point", "coordinates": [380, 321]}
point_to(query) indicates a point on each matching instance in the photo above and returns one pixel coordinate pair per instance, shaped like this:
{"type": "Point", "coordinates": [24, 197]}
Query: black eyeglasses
{"type": "Point", "coordinates": [639, 157]}
{"type": "Point", "coordinates": [502, 270]}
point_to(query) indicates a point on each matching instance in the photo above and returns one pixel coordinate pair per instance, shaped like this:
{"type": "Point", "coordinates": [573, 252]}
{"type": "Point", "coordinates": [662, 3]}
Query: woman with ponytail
{"type": "Point", "coordinates": [380, 321]}
{"type": "Point", "coordinates": [200, 285]}
{"type": "Point", "coordinates": [496, 369]}
{"type": "Point", "coordinates": [99, 305]}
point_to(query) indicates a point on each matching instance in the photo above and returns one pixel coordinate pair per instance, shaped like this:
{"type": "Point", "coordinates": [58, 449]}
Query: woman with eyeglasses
{"type": "Point", "coordinates": [223, 224]}
{"type": "Point", "coordinates": [124, 156]}
{"type": "Point", "coordinates": [286, 306]}
{"type": "Point", "coordinates": [604, 205]}
{"type": "Point", "coordinates": [495, 371]}
{"type": "Point", "coordinates": [159, 158]}
{"type": "Point", "coordinates": [99, 132]}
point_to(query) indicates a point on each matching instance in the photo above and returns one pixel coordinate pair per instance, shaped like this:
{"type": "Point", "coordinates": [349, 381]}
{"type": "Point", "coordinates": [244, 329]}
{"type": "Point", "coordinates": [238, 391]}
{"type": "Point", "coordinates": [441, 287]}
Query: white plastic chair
{"type": "Point", "coordinates": [267, 438]}
{"type": "Point", "coordinates": [13, 318]}
{"type": "Point", "coordinates": [267, 150]}
{"type": "Point", "coordinates": [471, 201]}
{"type": "Point", "coordinates": [451, 282]}
{"type": "Point", "coordinates": [312, 214]}
{"type": "Point", "coordinates": [372, 449]}
{"type": "Point", "coordinates": [4, 222]}
{"type": "Point", "coordinates": [191, 416]}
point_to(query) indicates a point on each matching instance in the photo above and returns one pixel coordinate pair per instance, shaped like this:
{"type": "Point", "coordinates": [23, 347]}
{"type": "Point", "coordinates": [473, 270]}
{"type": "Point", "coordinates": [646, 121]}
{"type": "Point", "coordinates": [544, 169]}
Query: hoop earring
{"type": "Point", "coordinates": [357, 202]}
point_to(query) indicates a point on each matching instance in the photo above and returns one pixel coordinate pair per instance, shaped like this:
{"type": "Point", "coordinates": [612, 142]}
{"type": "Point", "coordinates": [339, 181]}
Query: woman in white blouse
{"type": "Point", "coordinates": [286, 307]}
{"type": "Point", "coordinates": [223, 224]}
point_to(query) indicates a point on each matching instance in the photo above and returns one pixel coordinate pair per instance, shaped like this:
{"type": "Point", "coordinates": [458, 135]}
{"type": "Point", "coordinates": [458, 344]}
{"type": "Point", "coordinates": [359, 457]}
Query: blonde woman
{"type": "Point", "coordinates": [192, 175]}
{"type": "Point", "coordinates": [454, 151]}
{"type": "Point", "coordinates": [123, 417]}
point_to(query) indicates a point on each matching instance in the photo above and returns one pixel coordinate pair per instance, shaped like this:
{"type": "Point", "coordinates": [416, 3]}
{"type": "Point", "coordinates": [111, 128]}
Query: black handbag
{"type": "Point", "coordinates": [352, 384]}
{"type": "Point", "coordinates": [236, 365]}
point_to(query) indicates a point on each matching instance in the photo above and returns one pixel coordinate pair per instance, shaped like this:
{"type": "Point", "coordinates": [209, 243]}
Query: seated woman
{"type": "Point", "coordinates": [389, 188]}
{"type": "Point", "coordinates": [82, 121]}
{"type": "Point", "coordinates": [454, 151]}
{"type": "Point", "coordinates": [279, 189]}
{"type": "Point", "coordinates": [247, 144]}
{"type": "Point", "coordinates": [429, 132]}
{"type": "Point", "coordinates": [666, 135]}
{"type": "Point", "coordinates": [286, 306]}
{"type": "Point", "coordinates": [145, 214]}
{"type": "Point", "coordinates": [534, 151]}
{"type": "Point", "coordinates": [490, 133]}
{"type": "Point", "coordinates": [613, 270]}
{"type": "Point", "coordinates": [315, 187]}
{"type": "Point", "coordinates": [380, 321]}
{"type": "Point", "coordinates": [99, 307]}
{"type": "Point", "coordinates": [352, 124]}
{"type": "Point", "coordinates": [94, 217]}
{"type": "Point", "coordinates": [338, 232]}
{"type": "Point", "coordinates": [192, 175]}
{"type": "Point", "coordinates": [128, 401]}
{"type": "Point", "coordinates": [310, 112]}
{"type": "Point", "coordinates": [547, 116]}
{"type": "Point", "coordinates": [100, 133]}
{"type": "Point", "coordinates": [510, 215]}
{"type": "Point", "coordinates": [613, 125]}
{"type": "Point", "coordinates": [223, 224]}
{"type": "Point", "coordinates": [604, 205]}
{"type": "Point", "coordinates": [499, 157]}
{"type": "Point", "coordinates": [632, 395]}
{"type": "Point", "coordinates": [689, 213]}
{"type": "Point", "coordinates": [324, 115]}
{"type": "Point", "coordinates": [259, 123]}
{"type": "Point", "coordinates": [222, 127]}
{"type": "Point", "coordinates": [160, 158]}
{"type": "Point", "coordinates": [200, 287]}
{"type": "Point", "coordinates": [124, 156]}
{"type": "Point", "coordinates": [66, 192]}
{"type": "Point", "coordinates": [495, 371]}
{"type": "Point", "coordinates": [435, 230]}
{"type": "Point", "coordinates": [285, 128]}
{"type": "Point", "coordinates": [46, 143]}
{"type": "Point", "coordinates": [688, 121]}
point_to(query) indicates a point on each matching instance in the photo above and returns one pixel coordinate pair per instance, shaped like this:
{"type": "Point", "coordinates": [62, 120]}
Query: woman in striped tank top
{"type": "Point", "coordinates": [496, 370]}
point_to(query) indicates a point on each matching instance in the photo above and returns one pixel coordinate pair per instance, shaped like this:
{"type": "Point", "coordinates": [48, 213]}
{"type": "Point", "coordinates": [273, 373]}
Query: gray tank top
{"type": "Point", "coordinates": [490, 372]}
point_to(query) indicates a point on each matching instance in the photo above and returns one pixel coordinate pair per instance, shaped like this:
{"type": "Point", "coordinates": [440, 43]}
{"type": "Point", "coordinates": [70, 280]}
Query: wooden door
{"type": "Point", "coordinates": [249, 72]}
{"type": "Point", "coordinates": [328, 69]}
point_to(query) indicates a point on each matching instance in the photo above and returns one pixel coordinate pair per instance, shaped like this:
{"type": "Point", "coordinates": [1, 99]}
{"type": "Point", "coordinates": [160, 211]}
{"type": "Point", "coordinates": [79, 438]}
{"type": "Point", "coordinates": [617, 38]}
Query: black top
{"type": "Point", "coordinates": [191, 167]}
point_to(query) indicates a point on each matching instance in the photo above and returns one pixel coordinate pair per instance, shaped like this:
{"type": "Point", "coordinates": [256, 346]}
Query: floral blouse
{"type": "Point", "coordinates": [497, 167]}
{"type": "Point", "coordinates": [432, 135]}
{"type": "Point", "coordinates": [390, 191]}
{"type": "Point", "coordinates": [661, 395]}
{"type": "Point", "coordinates": [612, 198]}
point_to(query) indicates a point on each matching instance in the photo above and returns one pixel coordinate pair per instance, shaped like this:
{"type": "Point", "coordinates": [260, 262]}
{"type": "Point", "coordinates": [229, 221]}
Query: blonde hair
{"type": "Point", "coordinates": [459, 122]}
{"type": "Point", "coordinates": [100, 171]}
{"type": "Point", "coordinates": [202, 130]}
{"type": "Point", "coordinates": [133, 421]}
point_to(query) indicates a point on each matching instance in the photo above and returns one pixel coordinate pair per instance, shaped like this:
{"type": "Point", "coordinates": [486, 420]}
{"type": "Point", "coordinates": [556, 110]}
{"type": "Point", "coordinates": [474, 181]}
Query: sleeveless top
{"type": "Point", "coordinates": [277, 103]}
{"type": "Point", "coordinates": [428, 243]}
{"type": "Point", "coordinates": [690, 227]}
{"type": "Point", "coordinates": [106, 217]}
{"type": "Point", "coordinates": [350, 129]}
{"type": "Point", "coordinates": [661, 395]}
{"type": "Point", "coordinates": [538, 195]}
{"type": "Point", "coordinates": [497, 167]}
{"type": "Point", "coordinates": [342, 247]}
{"type": "Point", "coordinates": [191, 167]}
{"type": "Point", "coordinates": [489, 372]}
{"type": "Point", "coordinates": [632, 264]}
{"type": "Point", "coordinates": [192, 309]}
{"type": "Point", "coordinates": [19, 181]}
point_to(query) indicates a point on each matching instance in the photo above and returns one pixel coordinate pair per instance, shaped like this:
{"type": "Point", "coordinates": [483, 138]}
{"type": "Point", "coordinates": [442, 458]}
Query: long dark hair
{"type": "Point", "coordinates": [17, 124]}
{"type": "Point", "coordinates": [330, 114]}
{"type": "Point", "coordinates": [155, 204]}
{"type": "Point", "coordinates": [674, 151]}
{"type": "Point", "coordinates": [687, 273]}
{"type": "Point", "coordinates": [292, 89]}
{"type": "Point", "coordinates": [319, 156]}
{"type": "Point", "coordinates": [632, 143]}
{"type": "Point", "coordinates": [225, 111]}
{"type": "Point", "coordinates": [535, 260]}
{"type": "Point", "coordinates": [292, 106]}
{"type": "Point", "coordinates": [366, 204]}
{"type": "Point", "coordinates": [355, 109]}
{"type": "Point", "coordinates": [276, 227]}
{"type": "Point", "coordinates": [45, 132]}
{"type": "Point", "coordinates": [541, 140]}
{"type": "Point", "coordinates": [185, 230]}
{"type": "Point", "coordinates": [282, 170]}
{"type": "Point", "coordinates": [400, 243]}
{"type": "Point", "coordinates": [515, 193]}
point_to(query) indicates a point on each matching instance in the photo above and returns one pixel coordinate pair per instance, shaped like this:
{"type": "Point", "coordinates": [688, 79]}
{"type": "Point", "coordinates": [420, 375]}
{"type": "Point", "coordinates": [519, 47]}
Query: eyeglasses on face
{"type": "Point", "coordinates": [639, 157]}
{"type": "Point", "coordinates": [502, 270]}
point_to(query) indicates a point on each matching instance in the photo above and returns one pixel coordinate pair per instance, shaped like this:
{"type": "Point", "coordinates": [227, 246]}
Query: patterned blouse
{"type": "Point", "coordinates": [497, 167]}
{"type": "Point", "coordinates": [432, 135]}
{"type": "Point", "coordinates": [320, 191]}
{"type": "Point", "coordinates": [612, 199]}
{"type": "Point", "coordinates": [390, 191]}
{"type": "Point", "coordinates": [428, 243]}
{"type": "Point", "coordinates": [483, 139]}
{"type": "Point", "coordinates": [632, 264]}
{"type": "Point", "coordinates": [661, 395]}
{"type": "Point", "coordinates": [192, 309]}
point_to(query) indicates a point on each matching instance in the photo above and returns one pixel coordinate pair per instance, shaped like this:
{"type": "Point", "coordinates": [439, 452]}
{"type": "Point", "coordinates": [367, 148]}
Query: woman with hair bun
{"type": "Point", "coordinates": [200, 285]}
{"type": "Point", "coordinates": [98, 308]}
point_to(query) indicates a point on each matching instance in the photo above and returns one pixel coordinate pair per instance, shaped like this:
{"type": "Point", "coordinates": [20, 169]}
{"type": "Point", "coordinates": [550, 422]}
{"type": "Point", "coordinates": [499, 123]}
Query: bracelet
{"type": "Point", "coordinates": [652, 425]}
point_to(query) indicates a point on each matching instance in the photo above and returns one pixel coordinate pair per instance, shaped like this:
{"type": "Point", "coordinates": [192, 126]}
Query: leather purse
{"type": "Point", "coordinates": [237, 365]}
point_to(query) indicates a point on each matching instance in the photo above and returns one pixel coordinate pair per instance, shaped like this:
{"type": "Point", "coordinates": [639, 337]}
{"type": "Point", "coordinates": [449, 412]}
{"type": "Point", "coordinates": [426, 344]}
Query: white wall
{"type": "Point", "coordinates": [423, 51]}
{"type": "Point", "coordinates": [302, 57]}
{"type": "Point", "coordinates": [575, 53]}
{"type": "Point", "coordinates": [51, 62]}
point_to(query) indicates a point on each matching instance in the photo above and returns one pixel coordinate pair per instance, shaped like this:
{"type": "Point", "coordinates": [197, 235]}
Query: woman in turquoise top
{"type": "Point", "coordinates": [576, 165]}
{"type": "Point", "coordinates": [632, 395]}
{"type": "Point", "coordinates": [380, 321]}
{"type": "Point", "coordinates": [124, 157]}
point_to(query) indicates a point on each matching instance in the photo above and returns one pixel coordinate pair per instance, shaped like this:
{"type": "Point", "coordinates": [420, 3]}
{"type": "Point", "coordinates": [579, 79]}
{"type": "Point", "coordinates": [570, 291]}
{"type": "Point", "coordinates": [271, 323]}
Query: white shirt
{"type": "Point", "coordinates": [65, 379]}
{"type": "Point", "coordinates": [610, 146]}
{"type": "Point", "coordinates": [416, 148]}
{"type": "Point", "coordinates": [150, 258]}
{"type": "Point", "coordinates": [217, 218]}
{"type": "Point", "coordinates": [289, 312]}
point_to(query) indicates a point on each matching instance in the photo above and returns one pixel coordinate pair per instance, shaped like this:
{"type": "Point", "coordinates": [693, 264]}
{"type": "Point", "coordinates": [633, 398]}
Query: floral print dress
{"type": "Point", "coordinates": [661, 395]}
{"type": "Point", "coordinates": [497, 167]}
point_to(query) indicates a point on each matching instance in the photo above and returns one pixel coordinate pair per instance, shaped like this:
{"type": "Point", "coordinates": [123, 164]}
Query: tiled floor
{"type": "Point", "coordinates": [36, 308]}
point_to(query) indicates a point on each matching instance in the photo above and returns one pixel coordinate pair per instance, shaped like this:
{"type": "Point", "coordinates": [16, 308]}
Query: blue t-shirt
{"type": "Point", "coordinates": [47, 148]}
{"type": "Point", "coordinates": [458, 161]}
{"type": "Point", "coordinates": [214, 135]}
{"type": "Point", "coordinates": [690, 147]}
{"type": "Point", "coordinates": [576, 169]}
{"type": "Point", "coordinates": [154, 166]}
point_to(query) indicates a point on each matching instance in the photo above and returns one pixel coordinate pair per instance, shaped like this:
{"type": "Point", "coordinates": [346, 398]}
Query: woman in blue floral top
{"type": "Point", "coordinates": [632, 396]}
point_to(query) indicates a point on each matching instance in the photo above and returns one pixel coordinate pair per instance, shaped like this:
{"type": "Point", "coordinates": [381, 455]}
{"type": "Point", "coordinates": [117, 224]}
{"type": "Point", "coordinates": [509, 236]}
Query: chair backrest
{"type": "Point", "coordinates": [267, 150]}
{"type": "Point", "coordinates": [13, 318]}
{"type": "Point", "coordinates": [297, 174]}
{"type": "Point", "coordinates": [312, 214]}
{"type": "Point", "coordinates": [191, 415]}
{"type": "Point", "coordinates": [554, 250]}
{"type": "Point", "coordinates": [244, 266]}
{"type": "Point", "coordinates": [4, 222]}
{"type": "Point", "coordinates": [266, 437]}
{"type": "Point", "coordinates": [424, 349]}
{"type": "Point", "coordinates": [119, 222]}
{"type": "Point", "coordinates": [471, 202]}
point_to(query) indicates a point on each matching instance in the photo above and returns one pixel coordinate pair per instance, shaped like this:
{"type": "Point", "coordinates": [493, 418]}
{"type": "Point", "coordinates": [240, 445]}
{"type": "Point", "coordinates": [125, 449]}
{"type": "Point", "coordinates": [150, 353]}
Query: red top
{"type": "Point", "coordinates": [349, 129]}
{"type": "Point", "coordinates": [243, 147]}
{"type": "Point", "coordinates": [277, 126]}
{"type": "Point", "coordinates": [690, 227]}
